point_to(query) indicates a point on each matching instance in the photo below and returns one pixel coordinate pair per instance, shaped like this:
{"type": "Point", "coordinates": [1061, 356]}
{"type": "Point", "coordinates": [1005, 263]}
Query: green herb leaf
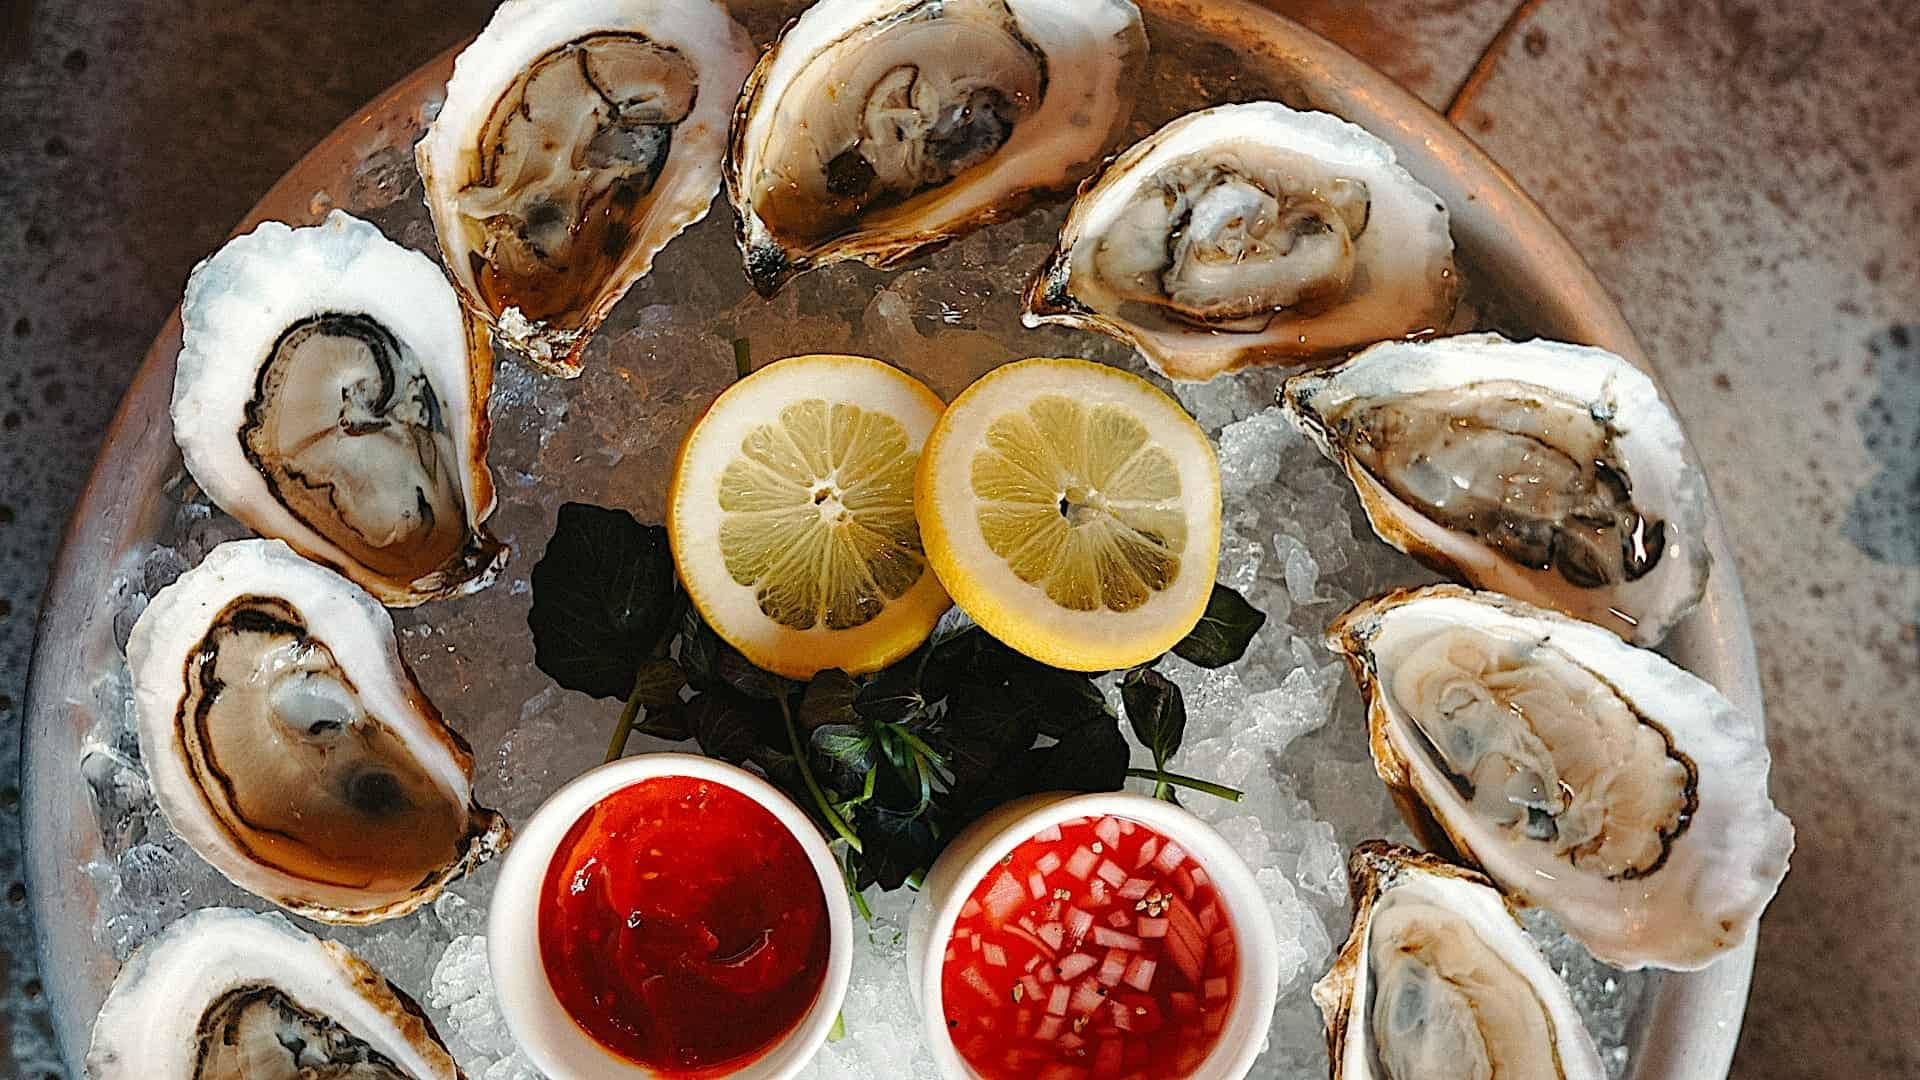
{"type": "Point", "coordinates": [723, 725]}
{"type": "Point", "coordinates": [1224, 631]}
{"type": "Point", "coordinates": [1066, 701]}
{"type": "Point", "coordinates": [843, 756]}
{"type": "Point", "coordinates": [783, 769]}
{"type": "Point", "coordinates": [667, 722]}
{"type": "Point", "coordinates": [828, 699]}
{"type": "Point", "coordinates": [699, 653]}
{"type": "Point", "coordinates": [893, 696]}
{"type": "Point", "coordinates": [658, 683]}
{"type": "Point", "coordinates": [894, 848]}
{"type": "Point", "coordinates": [976, 666]}
{"type": "Point", "coordinates": [604, 596]}
{"type": "Point", "coordinates": [1156, 710]}
{"type": "Point", "coordinates": [711, 664]}
{"type": "Point", "coordinates": [979, 733]}
{"type": "Point", "coordinates": [1092, 759]}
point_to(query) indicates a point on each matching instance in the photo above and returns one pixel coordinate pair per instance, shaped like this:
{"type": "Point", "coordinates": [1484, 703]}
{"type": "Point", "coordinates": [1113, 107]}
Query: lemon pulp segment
{"type": "Point", "coordinates": [1080, 502]}
{"type": "Point", "coordinates": [817, 515]}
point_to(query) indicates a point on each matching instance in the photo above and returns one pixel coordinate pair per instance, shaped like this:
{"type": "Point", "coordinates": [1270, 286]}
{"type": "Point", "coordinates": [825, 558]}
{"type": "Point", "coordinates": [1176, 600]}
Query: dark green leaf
{"type": "Point", "coordinates": [980, 670]}
{"type": "Point", "coordinates": [1066, 700]}
{"type": "Point", "coordinates": [658, 684]}
{"type": "Point", "coordinates": [711, 664]}
{"type": "Point", "coordinates": [604, 596]}
{"type": "Point", "coordinates": [898, 789]}
{"type": "Point", "coordinates": [828, 700]}
{"type": "Point", "coordinates": [783, 769]}
{"type": "Point", "coordinates": [893, 696]}
{"type": "Point", "coordinates": [979, 733]}
{"type": "Point", "coordinates": [842, 755]}
{"type": "Point", "coordinates": [1156, 710]}
{"type": "Point", "coordinates": [1224, 631]}
{"type": "Point", "coordinates": [896, 847]}
{"type": "Point", "coordinates": [666, 722]}
{"type": "Point", "coordinates": [740, 673]}
{"type": "Point", "coordinates": [724, 727]}
{"type": "Point", "coordinates": [1094, 759]}
{"type": "Point", "coordinates": [699, 651]}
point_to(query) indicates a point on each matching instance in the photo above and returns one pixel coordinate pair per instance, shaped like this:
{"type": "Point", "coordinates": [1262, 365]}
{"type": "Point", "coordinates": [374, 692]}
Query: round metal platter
{"type": "Point", "coordinates": [1689, 1023]}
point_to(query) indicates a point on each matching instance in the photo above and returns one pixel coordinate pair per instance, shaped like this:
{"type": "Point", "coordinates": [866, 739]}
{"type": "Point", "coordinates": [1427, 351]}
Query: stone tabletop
{"type": "Point", "coordinates": [1741, 175]}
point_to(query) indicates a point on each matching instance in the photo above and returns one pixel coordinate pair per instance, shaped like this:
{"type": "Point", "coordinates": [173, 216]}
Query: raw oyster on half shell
{"type": "Point", "coordinates": [877, 130]}
{"type": "Point", "coordinates": [1585, 776]}
{"type": "Point", "coordinates": [1251, 234]}
{"type": "Point", "coordinates": [1437, 979]}
{"type": "Point", "coordinates": [578, 138]}
{"type": "Point", "coordinates": [225, 994]}
{"type": "Point", "coordinates": [332, 394]}
{"type": "Point", "coordinates": [288, 744]}
{"type": "Point", "coordinates": [1546, 471]}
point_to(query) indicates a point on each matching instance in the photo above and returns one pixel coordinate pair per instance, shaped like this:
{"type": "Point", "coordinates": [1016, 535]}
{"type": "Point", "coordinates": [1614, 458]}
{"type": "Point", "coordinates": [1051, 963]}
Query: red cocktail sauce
{"type": "Point", "coordinates": [683, 927]}
{"type": "Point", "coordinates": [1097, 949]}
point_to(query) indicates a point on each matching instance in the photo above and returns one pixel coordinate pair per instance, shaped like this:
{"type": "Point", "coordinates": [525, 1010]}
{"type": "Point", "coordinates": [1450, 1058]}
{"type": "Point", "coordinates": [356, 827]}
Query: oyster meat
{"type": "Point", "coordinates": [288, 743]}
{"type": "Point", "coordinates": [1251, 234]}
{"type": "Point", "coordinates": [1585, 776]}
{"type": "Point", "coordinates": [225, 994]}
{"type": "Point", "coordinates": [331, 393]}
{"type": "Point", "coordinates": [1438, 979]}
{"type": "Point", "coordinates": [880, 129]}
{"type": "Point", "coordinates": [1546, 471]}
{"type": "Point", "coordinates": [578, 138]}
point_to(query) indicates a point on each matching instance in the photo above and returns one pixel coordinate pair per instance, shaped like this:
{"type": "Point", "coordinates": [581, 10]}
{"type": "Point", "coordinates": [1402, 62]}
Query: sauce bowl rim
{"type": "Point", "coordinates": [974, 852]}
{"type": "Point", "coordinates": [541, 1026]}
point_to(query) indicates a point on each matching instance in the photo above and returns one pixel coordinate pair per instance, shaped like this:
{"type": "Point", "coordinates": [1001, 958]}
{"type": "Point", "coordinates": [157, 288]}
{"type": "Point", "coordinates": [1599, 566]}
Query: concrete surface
{"type": "Point", "coordinates": [1743, 176]}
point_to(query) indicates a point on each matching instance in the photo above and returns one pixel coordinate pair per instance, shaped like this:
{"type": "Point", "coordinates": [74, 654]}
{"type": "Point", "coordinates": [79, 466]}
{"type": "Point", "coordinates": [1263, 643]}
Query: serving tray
{"type": "Point", "coordinates": [1686, 1025]}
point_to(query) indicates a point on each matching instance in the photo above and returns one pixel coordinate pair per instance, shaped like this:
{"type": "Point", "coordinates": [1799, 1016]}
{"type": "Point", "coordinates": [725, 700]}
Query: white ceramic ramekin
{"type": "Point", "coordinates": [542, 1027]}
{"type": "Point", "coordinates": [984, 843]}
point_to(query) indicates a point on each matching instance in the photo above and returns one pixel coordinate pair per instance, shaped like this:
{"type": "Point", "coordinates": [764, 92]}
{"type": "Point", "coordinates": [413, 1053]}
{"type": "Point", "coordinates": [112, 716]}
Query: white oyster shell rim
{"type": "Point", "coordinates": [1050, 151]}
{"type": "Point", "coordinates": [521, 32]}
{"type": "Point", "coordinates": [1378, 869]}
{"type": "Point", "coordinates": [1406, 250]}
{"type": "Point", "coordinates": [239, 301]}
{"type": "Point", "coordinates": [359, 632]}
{"type": "Point", "coordinates": [148, 1026]}
{"type": "Point", "coordinates": [1705, 899]}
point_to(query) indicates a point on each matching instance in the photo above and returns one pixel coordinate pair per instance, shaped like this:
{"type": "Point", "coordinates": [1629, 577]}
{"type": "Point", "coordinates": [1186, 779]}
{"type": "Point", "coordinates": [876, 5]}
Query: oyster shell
{"type": "Point", "coordinates": [1437, 979]}
{"type": "Point", "coordinates": [578, 138]}
{"type": "Point", "coordinates": [877, 130]}
{"type": "Point", "coordinates": [1584, 775]}
{"type": "Point", "coordinates": [290, 746]}
{"type": "Point", "coordinates": [330, 393]}
{"type": "Point", "coordinates": [1251, 234]}
{"type": "Point", "coordinates": [1546, 471]}
{"type": "Point", "coordinates": [224, 994]}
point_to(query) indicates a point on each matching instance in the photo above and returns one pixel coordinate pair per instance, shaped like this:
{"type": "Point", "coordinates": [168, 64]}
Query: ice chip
{"type": "Point", "coordinates": [1251, 451]}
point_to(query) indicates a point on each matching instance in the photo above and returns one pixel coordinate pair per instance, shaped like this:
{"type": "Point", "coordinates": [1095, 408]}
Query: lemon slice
{"type": "Point", "coordinates": [1074, 511]}
{"type": "Point", "coordinates": [791, 516]}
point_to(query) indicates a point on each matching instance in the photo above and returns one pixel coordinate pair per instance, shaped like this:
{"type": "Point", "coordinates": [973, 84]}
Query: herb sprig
{"type": "Point", "coordinates": [891, 764]}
